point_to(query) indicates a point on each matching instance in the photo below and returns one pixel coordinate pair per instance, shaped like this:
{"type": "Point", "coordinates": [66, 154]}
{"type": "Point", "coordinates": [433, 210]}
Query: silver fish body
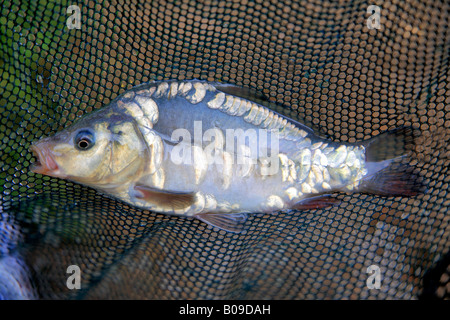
{"type": "Point", "coordinates": [201, 150]}
{"type": "Point", "coordinates": [198, 108]}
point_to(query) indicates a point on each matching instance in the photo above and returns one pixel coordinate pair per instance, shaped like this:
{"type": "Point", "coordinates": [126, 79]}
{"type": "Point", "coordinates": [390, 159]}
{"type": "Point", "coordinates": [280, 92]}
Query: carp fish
{"type": "Point", "coordinates": [210, 151]}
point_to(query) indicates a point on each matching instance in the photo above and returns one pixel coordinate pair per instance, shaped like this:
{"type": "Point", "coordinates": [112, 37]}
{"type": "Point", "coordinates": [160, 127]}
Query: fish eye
{"type": "Point", "coordinates": [84, 140]}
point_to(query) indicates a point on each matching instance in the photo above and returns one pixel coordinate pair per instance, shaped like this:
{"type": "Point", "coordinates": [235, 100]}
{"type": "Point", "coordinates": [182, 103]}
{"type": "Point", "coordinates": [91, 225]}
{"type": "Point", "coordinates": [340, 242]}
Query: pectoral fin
{"type": "Point", "coordinates": [232, 222]}
{"type": "Point", "coordinates": [317, 202]}
{"type": "Point", "coordinates": [166, 199]}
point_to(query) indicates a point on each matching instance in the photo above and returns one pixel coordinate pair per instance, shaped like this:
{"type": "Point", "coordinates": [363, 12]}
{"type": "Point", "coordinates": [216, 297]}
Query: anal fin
{"type": "Point", "coordinates": [231, 222]}
{"type": "Point", "coordinates": [317, 202]}
{"type": "Point", "coordinates": [166, 199]}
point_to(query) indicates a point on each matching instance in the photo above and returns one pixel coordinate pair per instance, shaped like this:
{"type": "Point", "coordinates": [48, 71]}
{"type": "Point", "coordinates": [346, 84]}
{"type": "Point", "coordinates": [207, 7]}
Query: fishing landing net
{"type": "Point", "coordinates": [346, 71]}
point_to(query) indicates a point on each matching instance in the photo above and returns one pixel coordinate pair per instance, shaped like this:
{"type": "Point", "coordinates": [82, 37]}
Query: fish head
{"type": "Point", "coordinates": [99, 149]}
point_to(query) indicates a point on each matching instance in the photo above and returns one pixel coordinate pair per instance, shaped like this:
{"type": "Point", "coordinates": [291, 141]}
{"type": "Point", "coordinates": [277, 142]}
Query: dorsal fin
{"type": "Point", "coordinates": [259, 98]}
{"type": "Point", "coordinates": [241, 92]}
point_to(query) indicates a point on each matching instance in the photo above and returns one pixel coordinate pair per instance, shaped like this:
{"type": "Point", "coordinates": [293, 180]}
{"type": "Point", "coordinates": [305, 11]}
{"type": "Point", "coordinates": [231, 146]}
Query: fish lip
{"type": "Point", "coordinates": [45, 164]}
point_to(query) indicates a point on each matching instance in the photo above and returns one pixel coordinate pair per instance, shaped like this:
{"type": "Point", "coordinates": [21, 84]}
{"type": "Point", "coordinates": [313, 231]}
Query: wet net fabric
{"type": "Point", "coordinates": [317, 62]}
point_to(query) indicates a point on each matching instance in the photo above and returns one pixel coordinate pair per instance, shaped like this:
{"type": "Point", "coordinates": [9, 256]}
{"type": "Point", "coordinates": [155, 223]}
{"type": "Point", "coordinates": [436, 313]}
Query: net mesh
{"type": "Point", "coordinates": [317, 61]}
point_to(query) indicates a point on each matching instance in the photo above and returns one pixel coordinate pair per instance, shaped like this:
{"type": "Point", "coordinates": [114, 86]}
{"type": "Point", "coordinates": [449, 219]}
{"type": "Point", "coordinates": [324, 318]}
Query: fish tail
{"type": "Point", "coordinates": [388, 172]}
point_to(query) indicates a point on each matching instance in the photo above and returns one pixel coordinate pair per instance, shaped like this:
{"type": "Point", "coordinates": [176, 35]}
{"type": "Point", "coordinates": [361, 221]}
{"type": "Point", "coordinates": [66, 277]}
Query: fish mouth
{"type": "Point", "coordinates": [44, 164]}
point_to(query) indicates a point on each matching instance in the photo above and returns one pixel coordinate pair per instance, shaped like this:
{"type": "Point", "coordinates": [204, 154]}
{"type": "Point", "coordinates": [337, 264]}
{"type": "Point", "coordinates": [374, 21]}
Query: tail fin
{"type": "Point", "coordinates": [386, 161]}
